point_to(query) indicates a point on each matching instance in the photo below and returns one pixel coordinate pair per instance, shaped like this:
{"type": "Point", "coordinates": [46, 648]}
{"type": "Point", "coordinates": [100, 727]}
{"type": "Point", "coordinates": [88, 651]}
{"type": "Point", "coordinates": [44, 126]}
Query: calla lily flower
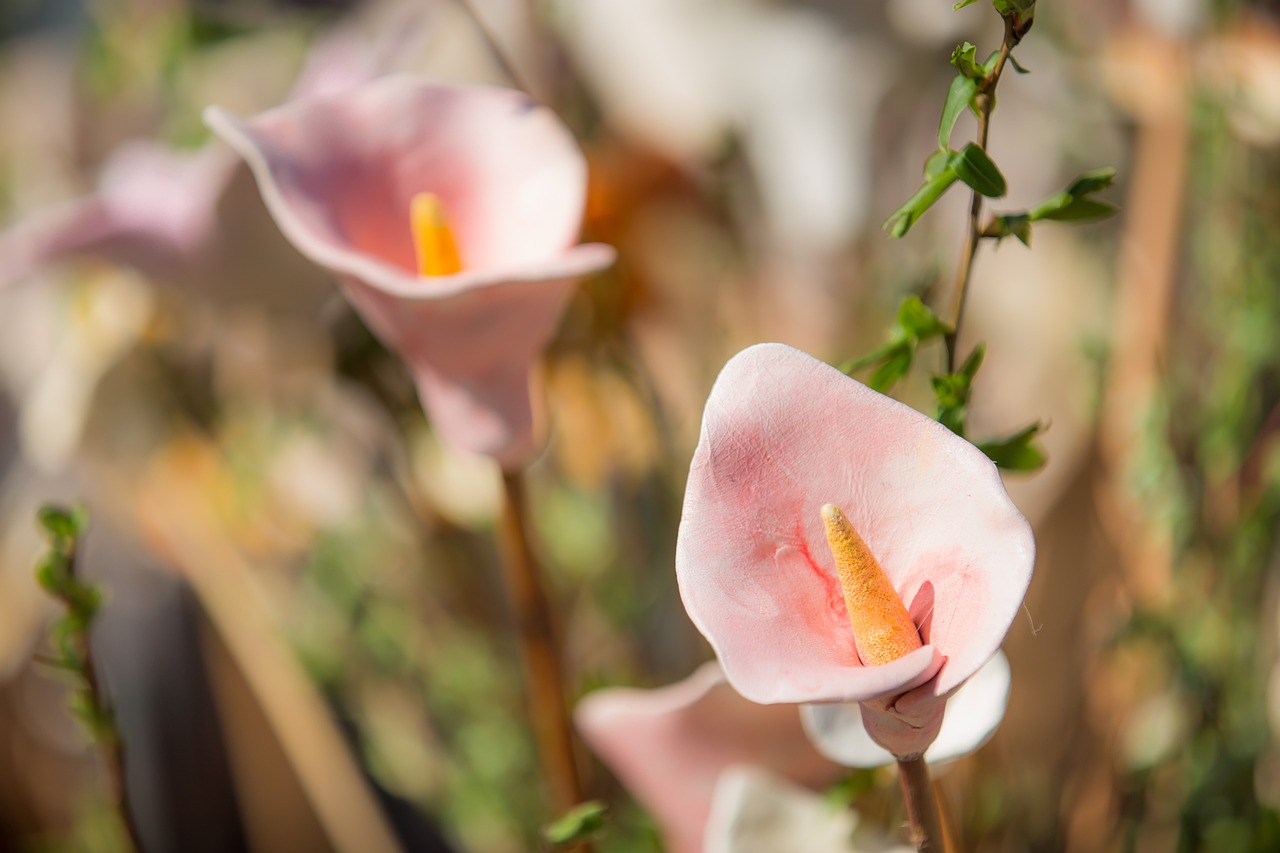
{"type": "Point", "coordinates": [972, 715]}
{"type": "Point", "coordinates": [669, 746]}
{"type": "Point", "coordinates": [450, 216]}
{"type": "Point", "coordinates": [790, 446]}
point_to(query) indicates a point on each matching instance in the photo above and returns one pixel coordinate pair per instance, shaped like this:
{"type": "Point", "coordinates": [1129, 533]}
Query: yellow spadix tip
{"type": "Point", "coordinates": [432, 239]}
{"type": "Point", "coordinates": [882, 628]}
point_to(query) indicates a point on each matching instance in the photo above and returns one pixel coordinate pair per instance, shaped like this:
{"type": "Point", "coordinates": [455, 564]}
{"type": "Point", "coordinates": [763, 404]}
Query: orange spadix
{"type": "Point", "coordinates": [432, 239]}
{"type": "Point", "coordinates": [882, 628]}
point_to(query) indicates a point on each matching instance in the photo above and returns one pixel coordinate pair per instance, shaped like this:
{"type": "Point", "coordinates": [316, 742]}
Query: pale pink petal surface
{"type": "Point", "coordinates": [338, 174]}
{"type": "Point", "coordinates": [784, 433]}
{"type": "Point", "coordinates": [669, 746]}
{"type": "Point", "coordinates": [973, 713]}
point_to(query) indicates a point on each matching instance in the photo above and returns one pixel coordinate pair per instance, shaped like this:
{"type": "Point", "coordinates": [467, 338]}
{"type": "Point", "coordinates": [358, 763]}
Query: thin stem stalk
{"type": "Point", "coordinates": [923, 820]}
{"type": "Point", "coordinates": [984, 102]}
{"type": "Point", "coordinates": [102, 722]}
{"type": "Point", "coordinates": [539, 651]}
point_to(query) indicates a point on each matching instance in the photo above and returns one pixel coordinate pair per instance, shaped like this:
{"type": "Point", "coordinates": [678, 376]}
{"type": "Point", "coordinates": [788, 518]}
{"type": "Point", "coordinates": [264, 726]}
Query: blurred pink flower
{"type": "Point", "coordinates": [158, 209]}
{"type": "Point", "coordinates": [784, 434]}
{"type": "Point", "coordinates": [669, 746]}
{"type": "Point", "coordinates": [340, 175]}
{"type": "Point", "coordinates": [154, 209]}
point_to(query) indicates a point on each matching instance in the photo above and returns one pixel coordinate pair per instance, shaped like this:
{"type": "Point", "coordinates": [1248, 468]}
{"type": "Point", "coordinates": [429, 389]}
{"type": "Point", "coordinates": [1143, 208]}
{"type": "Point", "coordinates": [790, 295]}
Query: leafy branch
{"type": "Point", "coordinates": [57, 573]}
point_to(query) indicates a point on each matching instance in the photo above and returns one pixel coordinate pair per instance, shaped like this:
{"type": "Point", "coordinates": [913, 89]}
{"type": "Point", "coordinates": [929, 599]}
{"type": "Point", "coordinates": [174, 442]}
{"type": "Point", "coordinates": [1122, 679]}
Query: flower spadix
{"type": "Point", "coordinates": [433, 242]}
{"type": "Point", "coordinates": [450, 216]}
{"type": "Point", "coordinates": [784, 435]}
{"type": "Point", "coordinates": [882, 627]}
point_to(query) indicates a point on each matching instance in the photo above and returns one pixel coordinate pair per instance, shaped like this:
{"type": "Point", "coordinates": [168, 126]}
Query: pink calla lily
{"type": "Point", "coordinates": [339, 173]}
{"type": "Point", "coordinates": [784, 434]}
{"type": "Point", "coordinates": [669, 746]}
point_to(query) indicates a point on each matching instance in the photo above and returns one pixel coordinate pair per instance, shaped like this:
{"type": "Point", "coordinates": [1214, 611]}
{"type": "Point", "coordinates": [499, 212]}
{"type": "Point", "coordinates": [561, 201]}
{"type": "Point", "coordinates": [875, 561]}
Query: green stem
{"type": "Point", "coordinates": [984, 102]}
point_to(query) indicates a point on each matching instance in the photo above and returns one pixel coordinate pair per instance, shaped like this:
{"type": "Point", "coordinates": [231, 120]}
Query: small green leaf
{"type": "Point", "coordinates": [60, 522]}
{"type": "Point", "coordinates": [1022, 8]}
{"type": "Point", "coordinates": [971, 364]}
{"type": "Point", "coordinates": [892, 369]}
{"type": "Point", "coordinates": [1092, 182]}
{"type": "Point", "coordinates": [1016, 452]}
{"type": "Point", "coordinates": [876, 356]}
{"type": "Point", "coordinates": [1010, 225]}
{"type": "Point", "coordinates": [1073, 204]}
{"type": "Point", "coordinates": [965, 60]}
{"type": "Point", "coordinates": [914, 324]}
{"type": "Point", "coordinates": [957, 7]}
{"type": "Point", "coordinates": [972, 165]}
{"type": "Point", "coordinates": [581, 823]}
{"type": "Point", "coordinates": [937, 163]}
{"type": "Point", "coordinates": [959, 98]}
{"type": "Point", "coordinates": [900, 222]}
{"type": "Point", "coordinates": [1076, 210]}
{"type": "Point", "coordinates": [952, 391]}
{"type": "Point", "coordinates": [918, 321]}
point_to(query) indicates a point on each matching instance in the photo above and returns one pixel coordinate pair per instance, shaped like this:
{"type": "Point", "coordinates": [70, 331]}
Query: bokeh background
{"type": "Point", "coordinates": [302, 583]}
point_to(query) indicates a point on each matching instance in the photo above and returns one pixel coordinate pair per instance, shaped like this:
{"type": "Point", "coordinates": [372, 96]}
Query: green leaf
{"type": "Point", "coordinates": [965, 59]}
{"type": "Point", "coordinates": [1076, 210]}
{"type": "Point", "coordinates": [581, 823]}
{"type": "Point", "coordinates": [937, 163]}
{"type": "Point", "coordinates": [971, 364]}
{"type": "Point", "coordinates": [892, 369]}
{"type": "Point", "coordinates": [952, 391]}
{"type": "Point", "coordinates": [1073, 204]}
{"type": "Point", "coordinates": [1092, 182]}
{"type": "Point", "coordinates": [915, 323]}
{"type": "Point", "coordinates": [60, 522]}
{"type": "Point", "coordinates": [1016, 452]}
{"type": "Point", "coordinates": [957, 7]}
{"type": "Point", "coordinates": [918, 321]}
{"type": "Point", "coordinates": [1022, 8]}
{"type": "Point", "coordinates": [1010, 225]}
{"type": "Point", "coordinates": [876, 356]}
{"type": "Point", "coordinates": [972, 165]}
{"type": "Point", "coordinates": [959, 97]}
{"type": "Point", "coordinates": [900, 222]}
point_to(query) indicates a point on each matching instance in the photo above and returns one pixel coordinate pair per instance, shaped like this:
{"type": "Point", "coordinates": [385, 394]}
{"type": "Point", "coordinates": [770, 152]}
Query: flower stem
{"type": "Point", "coordinates": [984, 101]}
{"type": "Point", "coordinates": [922, 809]}
{"type": "Point", "coordinates": [539, 651]}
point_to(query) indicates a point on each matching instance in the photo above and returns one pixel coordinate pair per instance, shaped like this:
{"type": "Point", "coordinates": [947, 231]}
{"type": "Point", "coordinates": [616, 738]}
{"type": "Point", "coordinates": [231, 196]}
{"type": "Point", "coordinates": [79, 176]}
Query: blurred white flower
{"type": "Point", "coordinates": [755, 812]}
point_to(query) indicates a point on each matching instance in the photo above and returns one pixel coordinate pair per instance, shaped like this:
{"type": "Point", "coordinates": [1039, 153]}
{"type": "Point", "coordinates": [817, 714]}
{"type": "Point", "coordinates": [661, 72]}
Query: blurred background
{"type": "Point", "coordinates": [301, 581]}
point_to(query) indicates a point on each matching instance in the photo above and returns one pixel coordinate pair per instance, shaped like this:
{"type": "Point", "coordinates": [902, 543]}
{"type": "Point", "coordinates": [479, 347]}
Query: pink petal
{"type": "Point", "coordinates": [973, 713]}
{"type": "Point", "coordinates": [784, 433]}
{"type": "Point", "coordinates": [338, 173]}
{"type": "Point", "coordinates": [668, 746]}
